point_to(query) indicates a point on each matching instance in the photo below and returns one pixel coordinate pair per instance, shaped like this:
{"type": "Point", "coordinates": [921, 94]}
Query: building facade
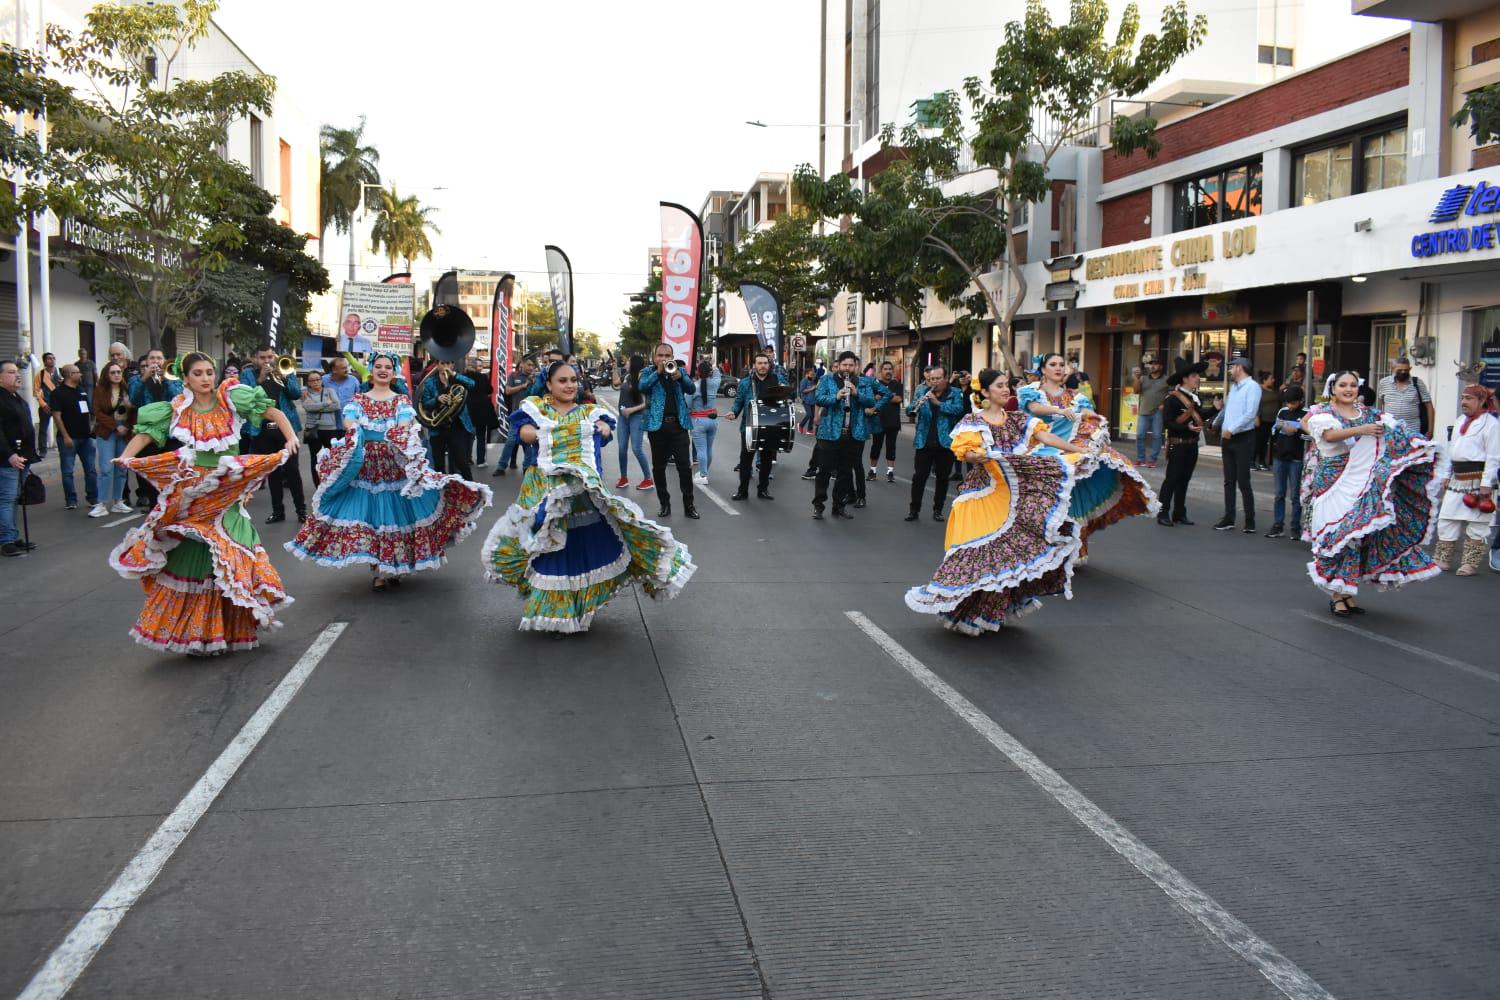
{"type": "Point", "coordinates": [281, 152]}
{"type": "Point", "coordinates": [1342, 185]}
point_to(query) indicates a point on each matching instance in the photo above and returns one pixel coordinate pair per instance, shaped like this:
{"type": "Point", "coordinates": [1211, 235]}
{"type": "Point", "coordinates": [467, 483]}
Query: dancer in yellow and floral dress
{"type": "Point", "coordinates": [209, 584]}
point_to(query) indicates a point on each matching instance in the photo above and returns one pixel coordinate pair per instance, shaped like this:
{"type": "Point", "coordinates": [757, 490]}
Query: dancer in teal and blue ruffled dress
{"type": "Point", "coordinates": [1115, 490]}
{"type": "Point", "coordinates": [379, 502]}
{"type": "Point", "coordinates": [566, 544]}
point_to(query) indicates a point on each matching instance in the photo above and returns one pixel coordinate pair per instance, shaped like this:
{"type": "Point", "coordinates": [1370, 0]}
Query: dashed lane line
{"type": "Point", "coordinates": [1279, 970]}
{"type": "Point", "coordinates": [69, 960]}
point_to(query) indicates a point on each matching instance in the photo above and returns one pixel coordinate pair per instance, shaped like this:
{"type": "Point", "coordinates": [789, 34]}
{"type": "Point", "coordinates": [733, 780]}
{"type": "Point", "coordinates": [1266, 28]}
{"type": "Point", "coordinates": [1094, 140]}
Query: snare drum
{"type": "Point", "coordinates": [768, 424]}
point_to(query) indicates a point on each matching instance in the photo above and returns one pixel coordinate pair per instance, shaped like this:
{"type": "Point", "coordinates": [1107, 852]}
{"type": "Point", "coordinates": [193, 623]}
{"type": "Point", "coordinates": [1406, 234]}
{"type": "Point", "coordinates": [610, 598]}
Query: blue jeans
{"type": "Point", "coordinates": [631, 435]}
{"type": "Point", "coordinates": [83, 449]}
{"type": "Point", "coordinates": [10, 485]}
{"type": "Point", "coordinates": [528, 452]}
{"type": "Point", "coordinates": [705, 429]}
{"type": "Point", "coordinates": [1288, 480]}
{"type": "Point", "coordinates": [1148, 423]}
{"type": "Point", "coordinates": [108, 449]}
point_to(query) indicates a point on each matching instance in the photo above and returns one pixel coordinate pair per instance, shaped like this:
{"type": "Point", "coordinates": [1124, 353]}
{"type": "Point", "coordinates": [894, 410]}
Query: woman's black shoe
{"type": "Point", "coordinates": [1339, 609]}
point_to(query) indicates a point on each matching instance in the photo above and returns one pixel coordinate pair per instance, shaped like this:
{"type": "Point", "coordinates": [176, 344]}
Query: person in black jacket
{"type": "Point", "coordinates": [890, 423]}
{"type": "Point", "coordinates": [17, 451]}
{"type": "Point", "coordinates": [481, 406]}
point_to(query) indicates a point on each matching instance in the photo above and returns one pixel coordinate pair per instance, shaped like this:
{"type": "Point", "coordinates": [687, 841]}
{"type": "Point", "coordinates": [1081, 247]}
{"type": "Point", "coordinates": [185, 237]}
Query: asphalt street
{"type": "Point", "coordinates": [1188, 781]}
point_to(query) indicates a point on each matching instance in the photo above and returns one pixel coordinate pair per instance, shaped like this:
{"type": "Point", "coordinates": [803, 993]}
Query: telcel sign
{"type": "Point", "coordinates": [1462, 200]}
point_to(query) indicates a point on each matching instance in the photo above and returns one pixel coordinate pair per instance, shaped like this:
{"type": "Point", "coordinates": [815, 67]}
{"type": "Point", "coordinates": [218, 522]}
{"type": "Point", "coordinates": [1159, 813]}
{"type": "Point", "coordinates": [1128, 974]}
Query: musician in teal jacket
{"type": "Point", "coordinates": [938, 406]}
{"type": "Point", "coordinates": [843, 430]}
{"type": "Point", "coordinates": [668, 422]}
{"type": "Point", "coordinates": [753, 386]}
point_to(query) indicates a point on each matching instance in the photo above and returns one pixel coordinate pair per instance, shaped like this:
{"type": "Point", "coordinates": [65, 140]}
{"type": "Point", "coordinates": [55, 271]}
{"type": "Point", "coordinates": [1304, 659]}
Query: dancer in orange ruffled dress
{"type": "Point", "coordinates": [209, 585]}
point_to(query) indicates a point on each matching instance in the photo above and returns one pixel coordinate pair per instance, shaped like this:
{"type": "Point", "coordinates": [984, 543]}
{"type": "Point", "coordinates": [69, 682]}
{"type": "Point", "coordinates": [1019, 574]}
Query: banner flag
{"type": "Point", "coordinates": [500, 348]}
{"type": "Point", "coordinates": [560, 280]}
{"type": "Point", "coordinates": [765, 315]}
{"type": "Point", "coordinates": [445, 290]}
{"type": "Point", "coordinates": [273, 310]}
{"type": "Point", "coordinates": [681, 279]}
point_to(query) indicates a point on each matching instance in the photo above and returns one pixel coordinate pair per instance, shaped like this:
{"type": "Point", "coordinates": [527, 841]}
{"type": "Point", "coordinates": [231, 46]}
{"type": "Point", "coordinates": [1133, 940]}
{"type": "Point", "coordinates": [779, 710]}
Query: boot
{"type": "Point", "coordinates": [1443, 555]}
{"type": "Point", "coordinates": [666, 506]}
{"type": "Point", "coordinates": [690, 512]}
{"type": "Point", "coordinates": [763, 493]}
{"type": "Point", "coordinates": [1475, 551]}
{"type": "Point", "coordinates": [740, 494]}
{"type": "Point", "coordinates": [911, 515]}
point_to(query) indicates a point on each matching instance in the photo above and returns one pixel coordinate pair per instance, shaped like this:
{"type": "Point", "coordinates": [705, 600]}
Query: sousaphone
{"type": "Point", "coordinates": [446, 333]}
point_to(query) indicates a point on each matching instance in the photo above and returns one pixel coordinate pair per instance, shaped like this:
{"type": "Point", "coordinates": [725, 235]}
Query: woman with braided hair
{"type": "Point", "coordinates": [379, 502]}
{"type": "Point", "coordinates": [1010, 538]}
{"type": "Point", "coordinates": [209, 585]}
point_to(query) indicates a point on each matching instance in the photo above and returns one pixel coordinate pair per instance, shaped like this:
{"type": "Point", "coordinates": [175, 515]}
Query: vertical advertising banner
{"type": "Point", "coordinates": [560, 281]}
{"type": "Point", "coordinates": [501, 347]}
{"type": "Point", "coordinates": [374, 316]}
{"type": "Point", "coordinates": [273, 311]}
{"type": "Point", "coordinates": [765, 315]}
{"type": "Point", "coordinates": [681, 279]}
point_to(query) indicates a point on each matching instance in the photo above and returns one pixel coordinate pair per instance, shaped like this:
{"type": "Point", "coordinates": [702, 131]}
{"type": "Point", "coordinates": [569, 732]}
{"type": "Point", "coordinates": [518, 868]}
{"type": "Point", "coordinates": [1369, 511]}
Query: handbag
{"type": "Point", "coordinates": [33, 491]}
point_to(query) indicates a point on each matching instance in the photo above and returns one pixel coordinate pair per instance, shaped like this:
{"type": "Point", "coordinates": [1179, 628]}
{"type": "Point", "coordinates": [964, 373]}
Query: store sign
{"type": "Point", "coordinates": [1187, 254]}
{"type": "Point", "coordinates": [1457, 202]}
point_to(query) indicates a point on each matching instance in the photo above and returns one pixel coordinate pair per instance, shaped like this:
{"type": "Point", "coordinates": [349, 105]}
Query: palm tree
{"type": "Point", "coordinates": [347, 166]}
{"type": "Point", "coordinates": [401, 227]}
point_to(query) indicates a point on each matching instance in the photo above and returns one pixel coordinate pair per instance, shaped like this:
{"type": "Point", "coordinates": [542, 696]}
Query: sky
{"type": "Point", "coordinates": [561, 122]}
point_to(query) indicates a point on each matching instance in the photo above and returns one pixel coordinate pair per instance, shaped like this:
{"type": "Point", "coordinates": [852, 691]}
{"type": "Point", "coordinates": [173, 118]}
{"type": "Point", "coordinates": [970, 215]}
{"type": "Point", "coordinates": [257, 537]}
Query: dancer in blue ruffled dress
{"type": "Point", "coordinates": [379, 502]}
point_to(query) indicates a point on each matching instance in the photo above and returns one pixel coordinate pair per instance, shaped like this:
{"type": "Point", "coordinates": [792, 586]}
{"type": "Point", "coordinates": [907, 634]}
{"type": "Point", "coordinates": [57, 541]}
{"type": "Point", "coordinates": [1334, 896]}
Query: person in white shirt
{"type": "Point", "coordinates": [1473, 458]}
{"type": "Point", "coordinates": [1237, 436]}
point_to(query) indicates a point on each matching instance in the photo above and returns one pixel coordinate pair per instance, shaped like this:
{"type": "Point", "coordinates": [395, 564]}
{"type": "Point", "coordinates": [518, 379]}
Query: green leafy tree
{"type": "Point", "coordinates": [347, 165]}
{"type": "Point", "coordinates": [909, 234]}
{"type": "Point", "coordinates": [401, 228]}
{"type": "Point", "coordinates": [1481, 112]}
{"type": "Point", "coordinates": [25, 90]}
{"type": "Point", "coordinates": [535, 309]}
{"type": "Point", "coordinates": [138, 154]}
{"type": "Point", "coordinates": [784, 258]}
{"type": "Point", "coordinates": [231, 298]}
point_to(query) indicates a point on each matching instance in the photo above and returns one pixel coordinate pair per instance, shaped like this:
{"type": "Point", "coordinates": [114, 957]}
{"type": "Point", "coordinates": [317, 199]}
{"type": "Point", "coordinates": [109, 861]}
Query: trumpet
{"type": "Point", "coordinates": [670, 367]}
{"type": "Point", "coordinates": [174, 369]}
{"type": "Point", "coordinates": [286, 365]}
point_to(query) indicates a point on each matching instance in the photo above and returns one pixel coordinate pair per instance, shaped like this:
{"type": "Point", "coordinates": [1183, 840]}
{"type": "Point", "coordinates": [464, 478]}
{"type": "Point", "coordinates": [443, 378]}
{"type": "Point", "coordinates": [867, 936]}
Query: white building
{"type": "Point", "coordinates": [281, 152]}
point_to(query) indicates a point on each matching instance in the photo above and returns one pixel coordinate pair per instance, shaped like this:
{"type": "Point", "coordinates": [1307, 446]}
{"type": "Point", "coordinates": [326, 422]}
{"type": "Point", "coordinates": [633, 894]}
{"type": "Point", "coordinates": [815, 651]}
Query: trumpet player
{"type": "Point", "coordinates": [284, 390]}
{"type": "Point", "coordinates": [452, 437]}
{"type": "Point", "coordinates": [846, 401]}
{"type": "Point", "coordinates": [666, 386]}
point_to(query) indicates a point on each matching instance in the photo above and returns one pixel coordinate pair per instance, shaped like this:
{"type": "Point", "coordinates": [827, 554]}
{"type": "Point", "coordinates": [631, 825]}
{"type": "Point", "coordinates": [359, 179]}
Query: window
{"type": "Point", "coordinates": [1222, 196]}
{"type": "Point", "coordinates": [285, 163]}
{"type": "Point", "coordinates": [1385, 160]}
{"type": "Point", "coordinates": [1274, 55]}
{"type": "Point", "coordinates": [257, 155]}
{"type": "Point", "coordinates": [1325, 174]}
{"type": "Point", "coordinates": [1328, 172]}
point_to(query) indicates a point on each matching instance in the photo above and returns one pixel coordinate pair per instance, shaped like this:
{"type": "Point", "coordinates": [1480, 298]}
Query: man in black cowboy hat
{"type": "Point", "coordinates": [1183, 422]}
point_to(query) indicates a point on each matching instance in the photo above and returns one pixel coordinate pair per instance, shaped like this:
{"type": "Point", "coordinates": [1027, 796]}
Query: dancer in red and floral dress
{"type": "Point", "coordinates": [379, 502]}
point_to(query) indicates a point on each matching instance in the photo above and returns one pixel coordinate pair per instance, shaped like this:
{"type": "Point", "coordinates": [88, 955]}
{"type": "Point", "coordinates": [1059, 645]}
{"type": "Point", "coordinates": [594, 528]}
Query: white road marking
{"type": "Point", "coordinates": [72, 957]}
{"type": "Point", "coordinates": [719, 501]}
{"type": "Point", "coordinates": [1234, 934]}
{"type": "Point", "coordinates": [1446, 661]}
{"type": "Point", "coordinates": [123, 520]}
